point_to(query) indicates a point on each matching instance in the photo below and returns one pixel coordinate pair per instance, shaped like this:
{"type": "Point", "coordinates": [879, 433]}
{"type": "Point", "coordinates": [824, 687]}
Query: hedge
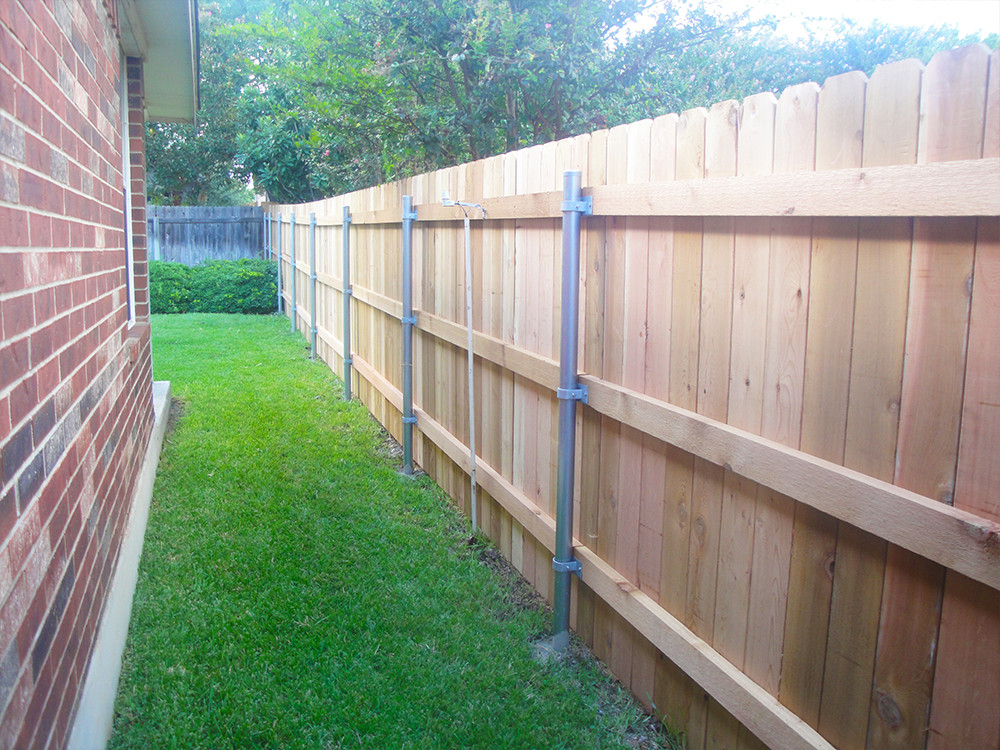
{"type": "Point", "coordinates": [246, 286]}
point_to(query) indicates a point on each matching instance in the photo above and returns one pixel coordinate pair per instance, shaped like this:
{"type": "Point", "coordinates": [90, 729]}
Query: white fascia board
{"type": "Point", "coordinates": [165, 34]}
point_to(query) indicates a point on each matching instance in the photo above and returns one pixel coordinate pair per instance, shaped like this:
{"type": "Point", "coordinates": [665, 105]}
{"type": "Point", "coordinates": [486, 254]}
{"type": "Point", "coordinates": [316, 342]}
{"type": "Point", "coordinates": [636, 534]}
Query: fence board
{"type": "Point", "coordinates": [739, 507]}
{"type": "Point", "coordinates": [749, 407]}
{"type": "Point", "coordinates": [784, 361]}
{"type": "Point", "coordinates": [694, 487]}
{"type": "Point", "coordinates": [632, 254]}
{"type": "Point", "coordinates": [547, 307]}
{"type": "Point", "coordinates": [839, 126]}
{"type": "Point", "coordinates": [593, 304]}
{"type": "Point", "coordinates": [684, 297]}
{"type": "Point", "coordinates": [667, 680]}
{"type": "Point", "coordinates": [609, 631]}
{"type": "Point", "coordinates": [525, 336]}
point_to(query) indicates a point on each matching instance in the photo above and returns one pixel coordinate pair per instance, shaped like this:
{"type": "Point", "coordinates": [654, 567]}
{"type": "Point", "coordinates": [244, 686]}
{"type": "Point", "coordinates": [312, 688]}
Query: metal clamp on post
{"type": "Point", "coordinates": [349, 292]}
{"type": "Point", "coordinates": [410, 319]}
{"type": "Point", "coordinates": [580, 393]}
{"type": "Point", "coordinates": [409, 420]}
{"type": "Point", "coordinates": [585, 205]}
{"type": "Point", "coordinates": [348, 360]}
{"type": "Point", "coordinates": [411, 215]}
{"type": "Point", "coordinates": [570, 566]}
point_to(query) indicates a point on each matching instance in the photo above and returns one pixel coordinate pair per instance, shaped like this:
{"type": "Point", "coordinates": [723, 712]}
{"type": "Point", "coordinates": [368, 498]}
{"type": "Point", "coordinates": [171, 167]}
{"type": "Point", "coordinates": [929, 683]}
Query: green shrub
{"type": "Point", "coordinates": [169, 287]}
{"type": "Point", "coordinates": [247, 286]}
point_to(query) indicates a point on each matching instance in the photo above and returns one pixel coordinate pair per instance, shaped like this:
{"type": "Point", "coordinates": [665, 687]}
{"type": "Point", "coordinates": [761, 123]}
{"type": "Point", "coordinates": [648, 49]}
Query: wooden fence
{"type": "Point", "coordinates": [194, 234]}
{"type": "Point", "coordinates": [787, 507]}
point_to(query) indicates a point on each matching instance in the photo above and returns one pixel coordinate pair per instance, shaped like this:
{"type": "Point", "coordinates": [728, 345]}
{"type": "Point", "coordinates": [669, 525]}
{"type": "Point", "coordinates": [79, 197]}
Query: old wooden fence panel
{"type": "Point", "coordinates": [194, 234]}
{"type": "Point", "coordinates": [787, 511]}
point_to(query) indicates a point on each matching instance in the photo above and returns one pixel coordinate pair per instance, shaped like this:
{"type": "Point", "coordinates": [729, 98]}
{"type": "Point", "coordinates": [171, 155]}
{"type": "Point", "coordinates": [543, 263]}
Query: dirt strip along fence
{"type": "Point", "coordinates": [787, 510]}
{"type": "Point", "coordinates": [195, 234]}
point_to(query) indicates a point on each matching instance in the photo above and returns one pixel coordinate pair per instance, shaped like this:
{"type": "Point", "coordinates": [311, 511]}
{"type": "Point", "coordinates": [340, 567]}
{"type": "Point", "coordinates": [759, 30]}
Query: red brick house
{"type": "Point", "coordinates": [78, 79]}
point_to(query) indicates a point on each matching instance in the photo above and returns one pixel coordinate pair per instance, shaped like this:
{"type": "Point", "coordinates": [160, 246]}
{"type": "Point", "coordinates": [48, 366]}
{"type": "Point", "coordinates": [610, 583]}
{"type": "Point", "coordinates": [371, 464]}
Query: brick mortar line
{"type": "Point", "coordinates": [83, 168]}
{"type": "Point", "coordinates": [14, 249]}
{"type": "Point", "coordinates": [53, 284]}
{"type": "Point", "coordinates": [48, 76]}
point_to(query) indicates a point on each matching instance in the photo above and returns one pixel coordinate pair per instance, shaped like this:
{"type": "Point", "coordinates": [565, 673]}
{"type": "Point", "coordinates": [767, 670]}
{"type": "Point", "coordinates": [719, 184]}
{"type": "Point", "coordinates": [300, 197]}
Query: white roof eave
{"type": "Point", "coordinates": [164, 33]}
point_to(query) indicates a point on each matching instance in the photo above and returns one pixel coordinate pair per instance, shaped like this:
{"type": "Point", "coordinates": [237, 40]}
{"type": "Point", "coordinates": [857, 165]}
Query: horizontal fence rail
{"type": "Point", "coordinates": [785, 511]}
{"type": "Point", "coordinates": [961, 188]}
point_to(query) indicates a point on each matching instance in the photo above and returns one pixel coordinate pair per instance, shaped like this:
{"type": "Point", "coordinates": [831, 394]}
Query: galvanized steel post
{"type": "Point", "coordinates": [569, 392]}
{"type": "Point", "coordinates": [280, 298]}
{"type": "Point", "coordinates": [291, 272]}
{"type": "Point", "coordinates": [348, 292]}
{"type": "Point", "coordinates": [409, 215]}
{"type": "Point", "coordinates": [312, 284]}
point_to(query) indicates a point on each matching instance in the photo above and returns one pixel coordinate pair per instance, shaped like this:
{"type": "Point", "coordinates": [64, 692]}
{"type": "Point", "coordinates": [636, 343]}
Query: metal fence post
{"type": "Point", "coordinates": [291, 272]}
{"type": "Point", "coordinates": [312, 282]}
{"type": "Point", "coordinates": [409, 215]}
{"type": "Point", "coordinates": [569, 392]}
{"type": "Point", "coordinates": [280, 252]}
{"type": "Point", "coordinates": [348, 357]}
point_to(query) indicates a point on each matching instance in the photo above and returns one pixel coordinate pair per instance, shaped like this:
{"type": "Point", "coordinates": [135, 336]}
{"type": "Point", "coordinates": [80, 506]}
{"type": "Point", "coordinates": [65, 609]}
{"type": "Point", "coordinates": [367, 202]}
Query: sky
{"type": "Point", "coordinates": [971, 16]}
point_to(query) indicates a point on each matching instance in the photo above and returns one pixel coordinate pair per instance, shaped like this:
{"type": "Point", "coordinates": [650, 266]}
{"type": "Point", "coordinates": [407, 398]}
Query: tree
{"type": "Point", "coordinates": [197, 163]}
{"type": "Point", "coordinates": [316, 97]}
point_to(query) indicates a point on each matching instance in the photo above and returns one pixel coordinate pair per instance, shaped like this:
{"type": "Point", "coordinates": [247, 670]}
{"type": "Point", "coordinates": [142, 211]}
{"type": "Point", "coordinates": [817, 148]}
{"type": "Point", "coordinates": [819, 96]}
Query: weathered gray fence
{"type": "Point", "coordinates": [193, 234]}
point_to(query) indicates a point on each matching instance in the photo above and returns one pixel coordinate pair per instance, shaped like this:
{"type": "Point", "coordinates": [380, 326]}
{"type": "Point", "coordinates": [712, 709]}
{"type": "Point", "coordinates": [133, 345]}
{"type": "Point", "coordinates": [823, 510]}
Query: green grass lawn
{"type": "Point", "coordinates": [295, 591]}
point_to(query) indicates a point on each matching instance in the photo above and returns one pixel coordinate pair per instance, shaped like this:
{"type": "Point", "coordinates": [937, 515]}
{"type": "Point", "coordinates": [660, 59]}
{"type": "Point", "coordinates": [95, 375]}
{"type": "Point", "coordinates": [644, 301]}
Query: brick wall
{"type": "Point", "coordinates": [75, 376]}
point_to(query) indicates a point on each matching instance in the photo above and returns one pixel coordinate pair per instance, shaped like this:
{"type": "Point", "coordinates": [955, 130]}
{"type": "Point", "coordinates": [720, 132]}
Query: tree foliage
{"type": "Point", "coordinates": [198, 164]}
{"type": "Point", "coordinates": [316, 97]}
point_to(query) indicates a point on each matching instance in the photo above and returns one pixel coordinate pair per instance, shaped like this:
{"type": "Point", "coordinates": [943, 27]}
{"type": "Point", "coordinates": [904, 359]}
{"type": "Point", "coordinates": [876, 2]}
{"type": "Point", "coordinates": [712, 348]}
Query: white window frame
{"type": "Point", "coordinates": [127, 189]}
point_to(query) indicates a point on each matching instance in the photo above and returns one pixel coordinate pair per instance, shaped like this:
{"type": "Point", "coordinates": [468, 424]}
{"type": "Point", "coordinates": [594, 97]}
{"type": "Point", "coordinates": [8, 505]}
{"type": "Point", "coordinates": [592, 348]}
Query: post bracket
{"type": "Point", "coordinates": [411, 319]}
{"type": "Point", "coordinates": [569, 566]}
{"type": "Point", "coordinates": [409, 420]}
{"type": "Point", "coordinates": [580, 393]}
{"type": "Point", "coordinates": [411, 215]}
{"type": "Point", "coordinates": [584, 206]}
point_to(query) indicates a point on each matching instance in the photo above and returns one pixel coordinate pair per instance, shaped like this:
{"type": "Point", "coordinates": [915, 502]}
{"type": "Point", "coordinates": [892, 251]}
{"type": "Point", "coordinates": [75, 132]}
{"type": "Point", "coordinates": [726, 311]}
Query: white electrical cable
{"type": "Point", "coordinates": [471, 356]}
{"type": "Point", "coordinates": [472, 398]}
